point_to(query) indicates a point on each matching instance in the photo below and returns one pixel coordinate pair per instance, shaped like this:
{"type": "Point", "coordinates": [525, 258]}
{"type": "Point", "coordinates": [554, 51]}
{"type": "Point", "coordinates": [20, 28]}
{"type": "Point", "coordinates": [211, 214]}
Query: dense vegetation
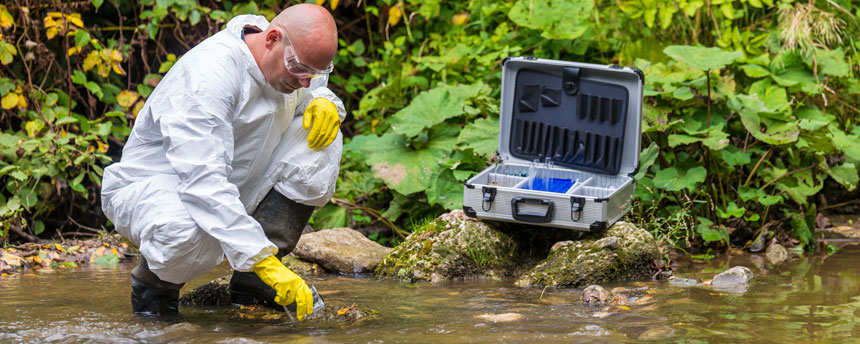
{"type": "Point", "coordinates": [750, 109]}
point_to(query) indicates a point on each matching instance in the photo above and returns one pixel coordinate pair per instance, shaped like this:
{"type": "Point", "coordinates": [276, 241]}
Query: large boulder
{"type": "Point", "coordinates": [341, 250]}
{"type": "Point", "coordinates": [452, 247]}
{"type": "Point", "coordinates": [624, 253]}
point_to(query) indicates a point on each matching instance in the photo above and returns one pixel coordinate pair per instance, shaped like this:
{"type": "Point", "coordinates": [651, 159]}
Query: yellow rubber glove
{"type": "Point", "coordinates": [289, 286]}
{"type": "Point", "coordinates": [322, 115]}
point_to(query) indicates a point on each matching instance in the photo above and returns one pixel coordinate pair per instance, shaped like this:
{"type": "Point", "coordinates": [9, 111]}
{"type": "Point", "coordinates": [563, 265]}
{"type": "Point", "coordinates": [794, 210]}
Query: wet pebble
{"type": "Point", "coordinates": [504, 317]}
{"type": "Point", "coordinates": [592, 331]}
{"type": "Point", "coordinates": [657, 333]}
{"type": "Point", "coordinates": [734, 276]}
{"type": "Point", "coordinates": [682, 282]}
{"type": "Point", "coordinates": [595, 294]}
{"type": "Point", "coordinates": [776, 254]}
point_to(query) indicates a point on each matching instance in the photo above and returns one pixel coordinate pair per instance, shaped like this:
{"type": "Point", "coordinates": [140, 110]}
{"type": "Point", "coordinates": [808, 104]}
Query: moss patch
{"type": "Point", "coordinates": [593, 261]}
{"type": "Point", "coordinates": [452, 247]}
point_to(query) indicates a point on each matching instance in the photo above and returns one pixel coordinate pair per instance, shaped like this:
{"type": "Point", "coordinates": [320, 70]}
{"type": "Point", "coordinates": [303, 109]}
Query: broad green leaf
{"type": "Point", "coordinates": [801, 185]}
{"type": "Point", "coordinates": [731, 211]}
{"type": "Point", "coordinates": [708, 234]}
{"type": "Point", "coordinates": [702, 58]}
{"type": "Point", "coordinates": [680, 139]}
{"type": "Point", "coordinates": [330, 216]}
{"type": "Point", "coordinates": [676, 179]}
{"type": "Point", "coordinates": [554, 19]}
{"type": "Point", "coordinates": [108, 260]}
{"type": "Point", "coordinates": [404, 169]}
{"type": "Point", "coordinates": [38, 227]}
{"type": "Point", "coordinates": [846, 143]}
{"type": "Point", "coordinates": [82, 37]}
{"type": "Point", "coordinates": [428, 109]}
{"type": "Point", "coordinates": [733, 156]}
{"type": "Point", "coordinates": [755, 116]}
{"type": "Point", "coordinates": [97, 3]}
{"type": "Point", "coordinates": [654, 119]}
{"type": "Point", "coordinates": [755, 71]}
{"type": "Point", "coordinates": [683, 93]}
{"type": "Point", "coordinates": [845, 174]}
{"type": "Point", "coordinates": [445, 190]}
{"type": "Point", "coordinates": [646, 159]}
{"type": "Point", "coordinates": [28, 198]}
{"type": "Point", "coordinates": [481, 135]}
{"type": "Point", "coordinates": [832, 62]}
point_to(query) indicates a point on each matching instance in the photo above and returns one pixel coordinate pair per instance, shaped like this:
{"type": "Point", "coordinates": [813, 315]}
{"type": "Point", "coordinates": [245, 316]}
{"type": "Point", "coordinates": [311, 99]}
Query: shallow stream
{"type": "Point", "coordinates": [810, 299]}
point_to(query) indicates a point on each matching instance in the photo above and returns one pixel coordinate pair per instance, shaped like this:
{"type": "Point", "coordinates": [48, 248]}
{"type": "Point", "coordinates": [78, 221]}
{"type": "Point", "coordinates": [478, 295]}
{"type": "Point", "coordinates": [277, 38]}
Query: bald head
{"type": "Point", "coordinates": [311, 30]}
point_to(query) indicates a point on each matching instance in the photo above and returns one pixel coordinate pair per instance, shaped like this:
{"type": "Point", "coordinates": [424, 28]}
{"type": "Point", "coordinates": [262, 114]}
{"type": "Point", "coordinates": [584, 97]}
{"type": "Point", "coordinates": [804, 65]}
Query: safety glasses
{"type": "Point", "coordinates": [296, 67]}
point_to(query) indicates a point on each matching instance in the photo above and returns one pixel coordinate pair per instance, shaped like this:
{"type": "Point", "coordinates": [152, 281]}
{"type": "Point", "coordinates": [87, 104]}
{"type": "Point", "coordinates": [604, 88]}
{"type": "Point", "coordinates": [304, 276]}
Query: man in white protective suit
{"type": "Point", "coordinates": [228, 157]}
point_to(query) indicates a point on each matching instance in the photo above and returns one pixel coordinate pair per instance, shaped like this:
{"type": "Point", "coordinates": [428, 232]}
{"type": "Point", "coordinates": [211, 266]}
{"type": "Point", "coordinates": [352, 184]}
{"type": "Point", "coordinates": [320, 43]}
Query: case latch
{"type": "Point", "coordinates": [576, 205]}
{"type": "Point", "coordinates": [570, 80]}
{"type": "Point", "coordinates": [489, 194]}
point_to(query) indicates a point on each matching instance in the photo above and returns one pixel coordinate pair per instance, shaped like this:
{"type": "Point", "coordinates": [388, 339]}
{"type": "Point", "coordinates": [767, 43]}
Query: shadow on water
{"type": "Point", "coordinates": [808, 299]}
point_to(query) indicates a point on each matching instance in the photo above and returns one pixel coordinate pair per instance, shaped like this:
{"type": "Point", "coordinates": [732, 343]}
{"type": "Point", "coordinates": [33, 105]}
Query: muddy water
{"type": "Point", "coordinates": [813, 299]}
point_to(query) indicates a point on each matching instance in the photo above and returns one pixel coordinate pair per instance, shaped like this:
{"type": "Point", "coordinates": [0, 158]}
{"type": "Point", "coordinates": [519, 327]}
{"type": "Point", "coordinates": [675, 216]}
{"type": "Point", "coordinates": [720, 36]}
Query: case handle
{"type": "Point", "coordinates": [531, 217]}
{"type": "Point", "coordinates": [487, 197]}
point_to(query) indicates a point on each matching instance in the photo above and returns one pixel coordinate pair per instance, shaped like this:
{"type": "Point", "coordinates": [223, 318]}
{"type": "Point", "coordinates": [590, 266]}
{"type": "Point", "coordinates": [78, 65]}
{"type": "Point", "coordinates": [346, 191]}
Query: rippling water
{"type": "Point", "coordinates": [811, 299]}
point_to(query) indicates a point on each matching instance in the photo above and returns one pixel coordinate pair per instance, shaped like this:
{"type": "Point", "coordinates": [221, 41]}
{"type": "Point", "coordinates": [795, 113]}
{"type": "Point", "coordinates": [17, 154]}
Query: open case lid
{"type": "Point", "coordinates": [584, 116]}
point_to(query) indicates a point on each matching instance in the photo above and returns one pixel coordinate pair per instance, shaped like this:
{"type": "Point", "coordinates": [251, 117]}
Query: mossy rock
{"type": "Point", "coordinates": [452, 247]}
{"type": "Point", "coordinates": [213, 293]}
{"type": "Point", "coordinates": [625, 253]}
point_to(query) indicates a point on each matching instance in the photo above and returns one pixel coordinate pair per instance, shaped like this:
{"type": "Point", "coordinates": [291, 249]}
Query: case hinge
{"type": "Point", "coordinates": [570, 80]}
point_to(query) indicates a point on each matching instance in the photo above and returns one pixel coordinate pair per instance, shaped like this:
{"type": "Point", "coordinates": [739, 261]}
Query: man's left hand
{"type": "Point", "coordinates": [322, 120]}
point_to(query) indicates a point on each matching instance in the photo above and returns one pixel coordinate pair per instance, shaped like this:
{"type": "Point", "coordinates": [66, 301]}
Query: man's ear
{"type": "Point", "coordinates": [272, 37]}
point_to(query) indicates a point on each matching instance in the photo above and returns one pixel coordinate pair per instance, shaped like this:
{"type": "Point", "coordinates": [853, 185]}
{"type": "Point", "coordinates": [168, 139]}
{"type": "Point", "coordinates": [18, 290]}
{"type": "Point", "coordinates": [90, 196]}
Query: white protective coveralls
{"type": "Point", "coordinates": [211, 141]}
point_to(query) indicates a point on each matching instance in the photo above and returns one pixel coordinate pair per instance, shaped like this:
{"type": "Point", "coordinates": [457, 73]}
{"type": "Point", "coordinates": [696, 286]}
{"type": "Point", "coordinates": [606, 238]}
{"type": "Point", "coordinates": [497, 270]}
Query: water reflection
{"type": "Point", "coordinates": [809, 299]}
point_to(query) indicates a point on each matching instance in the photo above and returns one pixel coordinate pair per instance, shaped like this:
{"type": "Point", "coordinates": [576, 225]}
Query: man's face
{"type": "Point", "coordinates": [286, 72]}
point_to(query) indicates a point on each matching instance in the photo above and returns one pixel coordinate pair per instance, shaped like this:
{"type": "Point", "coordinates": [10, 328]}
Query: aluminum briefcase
{"type": "Point", "coordinates": [569, 141]}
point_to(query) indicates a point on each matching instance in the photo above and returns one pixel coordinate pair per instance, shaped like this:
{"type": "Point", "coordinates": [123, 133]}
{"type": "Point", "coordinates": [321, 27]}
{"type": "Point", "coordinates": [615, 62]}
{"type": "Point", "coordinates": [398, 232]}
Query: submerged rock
{"type": "Point", "coordinates": [341, 249]}
{"type": "Point", "coordinates": [682, 282]}
{"type": "Point", "coordinates": [504, 317]}
{"type": "Point", "coordinates": [592, 261]}
{"type": "Point", "coordinates": [595, 294]}
{"type": "Point", "coordinates": [451, 247]}
{"type": "Point", "coordinates": [776, 254]}
{"type": "Point", "coordinates": [732, 277]}
{"type": "Point", "coordinates": [213, 293]}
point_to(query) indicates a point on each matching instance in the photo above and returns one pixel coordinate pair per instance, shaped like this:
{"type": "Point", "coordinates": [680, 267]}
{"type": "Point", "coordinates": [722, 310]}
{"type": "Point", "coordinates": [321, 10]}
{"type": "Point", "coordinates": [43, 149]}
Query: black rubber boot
{"type": "Point", "coordinates": [151, 296]}
{"type": "Point", "coordinates": [283, 221]}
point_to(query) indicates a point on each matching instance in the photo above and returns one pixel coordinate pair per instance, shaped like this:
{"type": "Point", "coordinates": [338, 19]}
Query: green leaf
{"type": "Point", "coordinates": [445, 190]}
{"type": "Point", "coordinates": [481, 135]}
{"type": "Point", "coordinates": [755, 71]}
{"type": "Point", "coordinates": [19, 175]}
{"type": "Point", "coordinates": [194, 17]}
{"type": "Point", "coordinates": [733, 156]}
{"type": "Point", "coordinates": [79, 77]}
{"type": "Point", "coordinates": [82, 37]}
{"type": "Point", "coordinates": [731, 211]}
{"type": "Point", "coordinates": [702, 58]}
{"type": "Point", "coordinates": [708, 234]}
{"type": "Point", "coordinates": [846, 143]}
{"type": "Point", "coordinates": [845, 174]}
{"type": "Point", "coordinates": [428, 109]}
{"type": "Point", "coordinates": [97, 3]}
{"type": "Point", "coordinates": [330, 216]}
{"type": "Point", "coordinates": [28, 198]}
{"type": "Point", "coordinates": [683, 93]}
{"type": "Point", "coordinates": [66, 120]}
{"type": "Point", "coordinates": [676, 179]}
{"type": "Point", "coordinates": [404, 169]}
{"type": "Point", "coordinates": [832, 62]}
{"type": "Point", "coordinates": [762, 123]}
{"type": "Point", "coordinates": [554, 19]}
{"type": "Point", "coordinates": [38, 227]}
{"type": "Point", "coordinates": [647, 158]}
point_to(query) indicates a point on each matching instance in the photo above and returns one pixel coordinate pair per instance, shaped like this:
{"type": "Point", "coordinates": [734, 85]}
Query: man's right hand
{"type": "Point", "coordinates": [289, 286]}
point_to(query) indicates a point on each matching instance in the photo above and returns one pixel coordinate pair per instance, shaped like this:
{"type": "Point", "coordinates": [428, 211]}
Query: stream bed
{"type": "Point", "coordinates": [809, 299]}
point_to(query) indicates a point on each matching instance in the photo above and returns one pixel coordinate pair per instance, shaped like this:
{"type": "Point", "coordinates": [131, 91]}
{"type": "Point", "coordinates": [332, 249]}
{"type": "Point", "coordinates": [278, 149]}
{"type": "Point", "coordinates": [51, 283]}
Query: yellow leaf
{"type": "Point", "coordinates": [115, 55]}
{"type": "Point", "coordinates": [74, 50]}
{"type": "Point", "coordinates": [136, 109]}
{"type": "Point", "coordinates": [63, 133]}
{"type": "Point", "coordinates": [91, 60]}
{"type": "Point", "coordinates": [90, 149]}
{"type": "Point", "coordinates": [343, 311]}
{"type": "Point", "coordinates": [55, 15]}
{"type": "Point", "coordinates": [320, 2]}
{"type": "Point", "coordinates": [394, 14]}
{"type": "Point", "coordinates": [75, 18]}
{"type": "Point", "coordinates": [334, 4]}
{"type": "Point", "coordinates": [9, 101]}
{"type": "Point", "coordinates": [117, 68]}
{"type": "Point", "coordinates": [49, 22]}
{"type": "Point", "coordinates": [459, 19]}
{"type": "Point", "coordinates": [103, 70]}
{"type": "Point", "coordinates": [59, 248]}
{"type": "Point", "coordinates": [6, 19]}
{"type": "Point", "coordinates": [126, 98]}
{"type": "Point", "coordinates": [22, 102]}
{"type": "Point", "coordinates": [32, 128]}
{"type": "Point", "coordinates": [102, 147]}
{"type": "Point", "coordinates": [624, 308]}
{"type": "Point", "coordinates": [52, 31]}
